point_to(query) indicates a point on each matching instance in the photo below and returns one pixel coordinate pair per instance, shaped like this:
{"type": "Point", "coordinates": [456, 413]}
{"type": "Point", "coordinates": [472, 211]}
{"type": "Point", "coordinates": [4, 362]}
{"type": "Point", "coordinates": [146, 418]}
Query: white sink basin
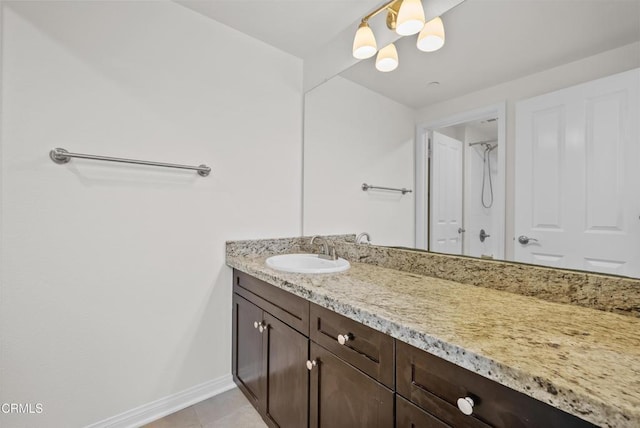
{"type": "Point", "coordinates": [307, 263]}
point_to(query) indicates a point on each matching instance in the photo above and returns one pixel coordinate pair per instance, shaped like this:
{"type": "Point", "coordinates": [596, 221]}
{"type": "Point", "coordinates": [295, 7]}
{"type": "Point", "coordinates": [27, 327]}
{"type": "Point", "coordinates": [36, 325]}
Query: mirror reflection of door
{"type": "Point", "coordinates": [463, 201]}
{"type": "Point", "coordinates": [446, 194]}
{"type": "Point", "coordinates": [577, 177]}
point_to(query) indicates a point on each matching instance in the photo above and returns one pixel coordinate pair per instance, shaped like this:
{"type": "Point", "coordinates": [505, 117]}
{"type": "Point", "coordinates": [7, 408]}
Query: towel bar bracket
{"type": "Point", "coordinates": [59, 156]}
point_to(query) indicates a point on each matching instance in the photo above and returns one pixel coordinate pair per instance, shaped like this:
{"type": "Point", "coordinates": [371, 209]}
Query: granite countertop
{"type": "Point", "coordinates": [583, 361]}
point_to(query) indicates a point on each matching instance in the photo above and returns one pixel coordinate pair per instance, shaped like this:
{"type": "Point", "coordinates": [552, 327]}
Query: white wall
{"type": "Point", "coordinates": [601, 65]}
{"type": "Point", "coordinates": [114, 288]}
{"type": "Point", "coordinates": [363, 138]}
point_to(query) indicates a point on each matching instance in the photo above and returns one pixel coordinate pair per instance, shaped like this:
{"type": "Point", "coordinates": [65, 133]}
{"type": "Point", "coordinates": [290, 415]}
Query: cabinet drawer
{"type": "Point", "coordinates": [408, 415]}
{"type": "Point", "coordinates": [365, 348]}
{"type": "Point", "coordinates": [287, 307]}
{"type": "Point", "coordinates": [435, 385]}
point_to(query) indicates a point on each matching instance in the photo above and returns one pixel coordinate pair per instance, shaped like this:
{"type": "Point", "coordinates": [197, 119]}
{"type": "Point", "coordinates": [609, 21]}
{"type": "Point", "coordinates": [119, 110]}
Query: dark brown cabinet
{"type": "Point", "coordinates": [269, 365]}
{"type": "Point", "coordinates": [344, 397]}
{"type": "Point", "coordinates": [272, 362]}
{"type": "Point", "coordinates": [408, 415]}
{"type": "Point", "coordinates": [435, 386]}
{"type": "Point", "coordinates": [287, 377]}
{"type": "Point", "coordinates": [363, 347]}
{"type": "Point", "coordinates": [302, 365]}
{"type": "Point", "coordinates": [247, 352]}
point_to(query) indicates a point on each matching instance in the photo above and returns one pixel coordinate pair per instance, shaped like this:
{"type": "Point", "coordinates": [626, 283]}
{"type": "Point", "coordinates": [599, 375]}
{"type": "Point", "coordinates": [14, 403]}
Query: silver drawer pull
{"type": "Point", "coordinates": [466, 405]}
{"type": "Point", "coordinates": [311, 364]}
{"type": "Point", "coordinates": [344, 338]}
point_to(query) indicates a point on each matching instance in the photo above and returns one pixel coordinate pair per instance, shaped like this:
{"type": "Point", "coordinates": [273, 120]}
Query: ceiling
{"type": "Point", "coordinates": [494, 41]}
{"type": "Point", "coordinates": [488, 41]}
{"type": "Point", "coordinates": [295, 26]}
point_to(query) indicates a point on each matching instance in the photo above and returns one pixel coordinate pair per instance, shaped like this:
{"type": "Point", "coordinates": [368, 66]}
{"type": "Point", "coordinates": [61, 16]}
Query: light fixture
{"type": "Point", "coordinates": [431, 38]}
{"type": "Point", "coordinates": [410, 18]}
{"type": "Point", "coordinates": [405, 17]}
{"type": "Point", "coordinates": [387, 59]}
{"type": "Point", "coordinates": [364, 44]}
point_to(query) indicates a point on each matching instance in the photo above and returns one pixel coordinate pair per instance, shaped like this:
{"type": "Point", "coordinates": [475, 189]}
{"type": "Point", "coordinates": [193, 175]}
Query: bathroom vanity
{"type": "Point", "coordinates": [380, 347]}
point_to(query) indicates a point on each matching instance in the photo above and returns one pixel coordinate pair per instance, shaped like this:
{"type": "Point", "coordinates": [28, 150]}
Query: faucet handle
{"type": "Point", "coordinates": [363, 235]}
{"type": "Point", "coordinates": [333, 254]}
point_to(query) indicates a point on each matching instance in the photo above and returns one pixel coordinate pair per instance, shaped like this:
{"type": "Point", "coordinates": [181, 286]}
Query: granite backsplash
{"type": "Point", "coordinates": [597, 291]}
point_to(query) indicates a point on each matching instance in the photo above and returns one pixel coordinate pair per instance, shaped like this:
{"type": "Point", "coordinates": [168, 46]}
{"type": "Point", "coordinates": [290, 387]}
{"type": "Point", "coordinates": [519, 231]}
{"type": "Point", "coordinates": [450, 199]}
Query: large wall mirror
{"type": "Point", "coordinates": [519, 139]}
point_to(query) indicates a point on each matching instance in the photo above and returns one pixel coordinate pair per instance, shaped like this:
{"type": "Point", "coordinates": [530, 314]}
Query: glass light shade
{"type": "Point", "coordinates": [387, 59]}
{"type": "Point", "coordinates": [364, 43]}
{"type": "Point", "coordinates": [431, 37]}
{"type": "Point", "coordinates": [410, 17]}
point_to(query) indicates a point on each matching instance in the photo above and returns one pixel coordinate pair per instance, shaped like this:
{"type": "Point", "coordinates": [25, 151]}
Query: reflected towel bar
{"type": "Point", "coordinates": [61, 156]}
{"type": "Point", "coordinates": [366, 187]}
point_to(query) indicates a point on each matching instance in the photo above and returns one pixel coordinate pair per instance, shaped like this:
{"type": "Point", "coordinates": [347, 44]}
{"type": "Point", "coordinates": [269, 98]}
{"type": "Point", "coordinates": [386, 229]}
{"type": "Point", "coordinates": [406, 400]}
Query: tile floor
{"type": "Point", "coordinates": [227, 410]}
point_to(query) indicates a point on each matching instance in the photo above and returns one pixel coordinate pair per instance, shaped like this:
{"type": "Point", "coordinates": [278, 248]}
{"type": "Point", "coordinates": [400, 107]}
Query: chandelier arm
{"type": "Point", "coordinates": [387, 6]}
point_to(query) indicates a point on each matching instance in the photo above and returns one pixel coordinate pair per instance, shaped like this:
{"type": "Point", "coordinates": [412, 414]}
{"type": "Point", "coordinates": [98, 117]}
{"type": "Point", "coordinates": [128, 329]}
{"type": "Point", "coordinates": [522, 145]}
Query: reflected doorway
{"type": "Point", "coordinates": [465, 184]}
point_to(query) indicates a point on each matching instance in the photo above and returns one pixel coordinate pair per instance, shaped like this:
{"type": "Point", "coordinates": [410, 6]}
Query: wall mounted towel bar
{"type": "Point", "coordinates": [366, 187]}
{"type": "Point", "coordinates": [62, 156]}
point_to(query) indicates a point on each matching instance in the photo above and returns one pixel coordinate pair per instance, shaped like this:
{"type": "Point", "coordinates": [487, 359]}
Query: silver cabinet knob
{"type": "Point", "coordinates": [466, 405]}
{"type": "Point", "coordinates": [311, 364]}
{"type": "Point", "coordinates": [524, 240]}
{"type": "Point", "coordinates": [344, 338]}
{"type": "Point", "coordinates": [261, 326]}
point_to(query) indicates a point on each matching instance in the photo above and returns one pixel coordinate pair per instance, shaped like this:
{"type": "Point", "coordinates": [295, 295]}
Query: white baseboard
{"type": "Point", "coordinates": [157, 409]}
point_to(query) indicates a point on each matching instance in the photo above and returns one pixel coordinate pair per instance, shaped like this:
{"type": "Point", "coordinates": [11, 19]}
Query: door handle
{"type": "Point", "coordinates": [524, 240]}
{"type": "Point", "coordinates": [461, 230]}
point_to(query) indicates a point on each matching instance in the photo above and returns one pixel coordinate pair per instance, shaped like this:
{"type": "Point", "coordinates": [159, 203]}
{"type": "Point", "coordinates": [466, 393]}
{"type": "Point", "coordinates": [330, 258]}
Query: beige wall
{"type": "Point", "coordinates": [353, 135]}
{"type": "Point", "coordinates": [114, 287]}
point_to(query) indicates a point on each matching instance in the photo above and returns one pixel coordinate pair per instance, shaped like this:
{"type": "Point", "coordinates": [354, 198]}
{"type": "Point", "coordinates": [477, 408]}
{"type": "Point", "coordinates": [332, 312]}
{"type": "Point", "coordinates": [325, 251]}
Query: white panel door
{"type": "Point", "coordinates": [446, 195]}
{"type": "Point", "coordinates": [578, 177]}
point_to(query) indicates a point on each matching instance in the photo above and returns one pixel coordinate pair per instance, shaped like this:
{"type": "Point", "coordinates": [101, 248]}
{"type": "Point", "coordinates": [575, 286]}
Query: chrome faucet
{"type": "Point", "coordinates": [326, 251]}
{"type": "Point", "coordinates": [363, 235]}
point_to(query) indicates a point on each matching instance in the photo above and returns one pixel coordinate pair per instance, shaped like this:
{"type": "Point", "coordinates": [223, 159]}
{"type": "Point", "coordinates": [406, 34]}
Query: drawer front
{"type": "Point", "coordinates": [435, 385]}
{"type": "Point", "coordinates": [365, 348]}
{"type": "Point", "coordinates": [408, 415]}
{"type": "Point", "coordinates": [287, 307]}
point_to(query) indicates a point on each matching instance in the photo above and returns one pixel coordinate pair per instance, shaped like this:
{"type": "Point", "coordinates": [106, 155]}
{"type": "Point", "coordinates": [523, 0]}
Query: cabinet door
{"type": "Point", "coordinates": [341, 396]}
{"type": "Point", "coordinates": [410, 416]}
{"type": "Point", "coordinates": [287, 375]}
{"type": "Point", "coordinates": [247, 365]}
